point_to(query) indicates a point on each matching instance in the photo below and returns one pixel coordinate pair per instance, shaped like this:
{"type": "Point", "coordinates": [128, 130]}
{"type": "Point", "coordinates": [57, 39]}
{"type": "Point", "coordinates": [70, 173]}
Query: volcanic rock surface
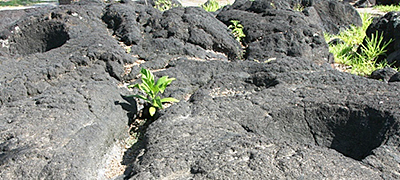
{"type": "Point", "coordinates": [288, 115]}
{"type": "Point", "coordinates": [57, 92]}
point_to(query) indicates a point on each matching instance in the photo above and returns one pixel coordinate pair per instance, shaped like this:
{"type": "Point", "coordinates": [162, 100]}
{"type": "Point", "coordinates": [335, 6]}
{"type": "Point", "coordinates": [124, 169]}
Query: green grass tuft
{"type": "Point", "coordinates": [237, 30]}
{"type": "Point", "coordinates": [19, 3]}
{"type": "Point", "coordinates": [387, 8]}
{"type": "Point", "coordinates": [361, 63]}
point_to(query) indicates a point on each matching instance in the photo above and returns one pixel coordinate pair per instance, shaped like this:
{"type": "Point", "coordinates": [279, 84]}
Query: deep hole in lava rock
{"type": "Point", "coordinates": [38, 38]}
{"type": "Point", "coordinates": [354, 132]}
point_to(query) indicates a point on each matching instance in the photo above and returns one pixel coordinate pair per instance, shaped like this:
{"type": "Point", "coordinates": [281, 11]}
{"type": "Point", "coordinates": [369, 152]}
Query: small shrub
{"type": "Point", "coordinates": [237, 30]}
{"type": "Point", "coordinates": [152, 88]}
{"type": "Point", "coordinates": [211, 6]}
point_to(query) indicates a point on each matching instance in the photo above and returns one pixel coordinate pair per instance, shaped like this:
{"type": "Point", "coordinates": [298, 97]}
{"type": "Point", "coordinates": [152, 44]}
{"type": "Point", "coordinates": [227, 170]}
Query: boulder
{"type": "Point", "coordinates": [58, 88]}
{"type": "Point", "coordinates": [179, 31]}
{"type": "Point", "coordinates": [285, 119]}
{"type": "Point", "coordinates": [335, 15]}
{"type": "Point", "coordinates": [395, 78]}
{"type": "Point", "coordinates": [364, 3]}
{"type": "Point", "coordinates": [273, 30]}
{"type": "Point", "coordinates": [383, 74]}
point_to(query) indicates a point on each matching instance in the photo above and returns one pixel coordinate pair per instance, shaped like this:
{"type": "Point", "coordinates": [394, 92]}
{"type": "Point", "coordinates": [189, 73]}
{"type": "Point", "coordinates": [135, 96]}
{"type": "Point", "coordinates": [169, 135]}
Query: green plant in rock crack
{"type": "Point", "coordinates": [237, 30]}
{"type": "Point", "coordinates": [152, 88]}
{"type": "Point", "coordinates": [164, 5]}
{"type": "Point", "coordinates": [211, 6]}
{"type": "Point", "coordinates": [298, 7]}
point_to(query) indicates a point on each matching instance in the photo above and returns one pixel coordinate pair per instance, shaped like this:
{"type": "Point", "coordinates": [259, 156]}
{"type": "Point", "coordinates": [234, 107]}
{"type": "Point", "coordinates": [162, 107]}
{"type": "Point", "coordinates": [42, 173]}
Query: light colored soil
{"type": "Point", "coordinates": [372, 11]}
{"type": "Point", "coordinates": [28, 7]}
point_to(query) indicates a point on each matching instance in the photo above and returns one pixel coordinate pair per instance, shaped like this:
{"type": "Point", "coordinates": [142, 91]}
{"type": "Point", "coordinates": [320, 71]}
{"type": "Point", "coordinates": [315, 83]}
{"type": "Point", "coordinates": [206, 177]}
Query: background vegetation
{"type": "Point", "coordinates": [22, 2]}
{"type": "Point", "coordinates": [388, 8]}
{"type": "Point", "coordinates": [353, 56]}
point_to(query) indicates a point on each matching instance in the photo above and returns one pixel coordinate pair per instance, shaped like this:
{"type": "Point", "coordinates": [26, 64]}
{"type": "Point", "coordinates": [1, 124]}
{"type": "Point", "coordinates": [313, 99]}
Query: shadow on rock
{"type": "Point", "coordinates": [129, 106]}
{"type": "Point", "coordinates": [138, 123]}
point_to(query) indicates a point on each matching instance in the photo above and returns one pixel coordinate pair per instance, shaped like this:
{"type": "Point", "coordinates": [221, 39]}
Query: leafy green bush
{"type": "Point", "coordinates": [151, 88]}
{"type": "Point", "coordinates": [237, 30]}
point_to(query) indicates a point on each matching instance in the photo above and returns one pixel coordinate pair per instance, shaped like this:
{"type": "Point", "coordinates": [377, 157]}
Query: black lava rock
{"type": "Point", "coordinates": [383, 74]}
{"type": "Point", "coordinates": [395, 78]}
{"type": "Point", "coordinates": [63, 110]}
{"type": "Point", "coordinates": [272, 31]}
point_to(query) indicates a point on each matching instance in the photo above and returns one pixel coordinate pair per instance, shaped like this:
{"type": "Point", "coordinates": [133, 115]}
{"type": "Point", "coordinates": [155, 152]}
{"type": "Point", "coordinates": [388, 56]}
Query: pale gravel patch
{"type": "Point", "coordinates": [112, 163]}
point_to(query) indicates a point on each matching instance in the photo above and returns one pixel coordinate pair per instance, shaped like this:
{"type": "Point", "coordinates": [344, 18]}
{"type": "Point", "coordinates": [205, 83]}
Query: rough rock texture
{"type": "Point", "coordinates": [273, 30]}
{"type": "Point", "coordinates": [180, 31]}
{"type": "Point", "coordinates": [174, 3]}
{"type": "Point", "coordinates": [335, 16]}
{"type": "Point", "coordinates": [387, 26]}
{"type": "Point", "coordinates": [395, 77]}
{"type": "Point", "coordinates": [364, 3]}
{"type": "Point", "coordinates": [383, 74]}
{"type": "Point", "coordinates": [284, 117]}
{"type": "Point", "coordinates": [58, 87]}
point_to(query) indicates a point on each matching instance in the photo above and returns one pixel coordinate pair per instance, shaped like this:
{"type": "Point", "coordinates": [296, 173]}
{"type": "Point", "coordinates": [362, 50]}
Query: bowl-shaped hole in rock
{"type": "Point", "coordinates": [38, 38]}
{"type": "Point", "coordinates": [352, 131]}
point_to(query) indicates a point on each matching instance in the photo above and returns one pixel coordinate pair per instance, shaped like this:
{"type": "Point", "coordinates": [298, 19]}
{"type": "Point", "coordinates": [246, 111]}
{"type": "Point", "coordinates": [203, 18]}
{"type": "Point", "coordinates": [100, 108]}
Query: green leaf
{"type": "Point", "coordinates": [134, 86]}
{"type": "Point", "coordinates": [169, 99]}
{"type": "Point", "coordinates": [151, 89]}
{"type": "Point", "coordinates": [148, 80]}
{"type": "Point", "coordinates": [139, 96]}
{"type": "Point", "coordinates": [148, 76]}
{"type": "Point", "coordinates": [152, 110]}
{"type": "Point", "coordinates": [161, 81]}
{"type": "Point", "coordinates": [158, 103]}
{"type": "Point", "coordinates": [146, 89]}
{"type": "Point", "coordinates": [155, 90]}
